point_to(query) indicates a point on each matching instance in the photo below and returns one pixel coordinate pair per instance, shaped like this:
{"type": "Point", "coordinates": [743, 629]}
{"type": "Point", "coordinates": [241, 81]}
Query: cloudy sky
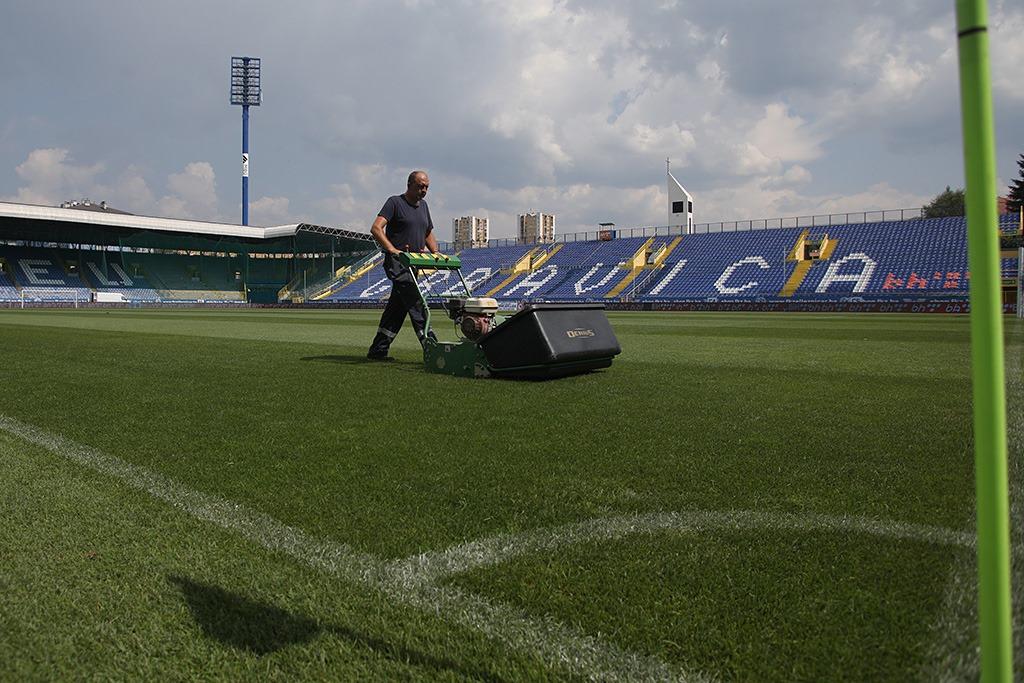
{"type": "Point", "coordinates": [766, 109]}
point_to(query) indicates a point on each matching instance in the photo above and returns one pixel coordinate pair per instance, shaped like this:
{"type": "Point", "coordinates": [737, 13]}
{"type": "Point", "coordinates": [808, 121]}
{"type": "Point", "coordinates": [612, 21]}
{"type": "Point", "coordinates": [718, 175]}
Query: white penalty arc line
{"type": "Point", "coordinates": [433, 567]}
{"type": "Point", "coordinates": [559, 647]}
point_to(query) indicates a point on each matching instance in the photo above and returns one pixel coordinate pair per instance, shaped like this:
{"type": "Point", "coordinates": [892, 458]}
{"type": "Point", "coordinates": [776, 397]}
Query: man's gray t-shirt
{"type": "Point", "coordinates": [408, 225]}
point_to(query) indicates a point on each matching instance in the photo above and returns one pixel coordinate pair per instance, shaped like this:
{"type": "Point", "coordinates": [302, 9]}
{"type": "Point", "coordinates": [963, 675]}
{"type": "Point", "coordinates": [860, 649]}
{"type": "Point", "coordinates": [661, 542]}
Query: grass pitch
{"type": "Point", "coordinates": [740, 496]}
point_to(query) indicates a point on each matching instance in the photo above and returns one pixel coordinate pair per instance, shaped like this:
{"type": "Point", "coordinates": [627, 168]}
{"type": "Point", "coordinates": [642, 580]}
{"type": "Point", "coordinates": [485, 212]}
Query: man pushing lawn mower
{"type": "Point", "coordinates": [403, 224]}
{"type": "Point", "coordinates": [542, 341]}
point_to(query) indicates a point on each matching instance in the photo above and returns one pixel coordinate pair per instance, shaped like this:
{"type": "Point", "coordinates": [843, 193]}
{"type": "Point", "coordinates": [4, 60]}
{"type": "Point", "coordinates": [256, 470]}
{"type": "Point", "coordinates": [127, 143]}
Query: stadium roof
{"type": "Point", "coordinates": [71, 225]}
{"type": "Point", "coordinates": [202, 228]}
{"type": "Point", "coordinates": [87, 205]}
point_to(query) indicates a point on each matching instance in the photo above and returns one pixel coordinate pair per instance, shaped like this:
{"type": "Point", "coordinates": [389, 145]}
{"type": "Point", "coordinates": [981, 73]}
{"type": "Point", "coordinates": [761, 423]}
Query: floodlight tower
{"type": "Point", "coordinates": [246, 91]}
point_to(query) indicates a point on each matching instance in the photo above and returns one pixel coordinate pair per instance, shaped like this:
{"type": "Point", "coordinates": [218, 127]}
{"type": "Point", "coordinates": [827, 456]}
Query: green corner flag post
{"type": "Point", "coordinates": [986, 344]}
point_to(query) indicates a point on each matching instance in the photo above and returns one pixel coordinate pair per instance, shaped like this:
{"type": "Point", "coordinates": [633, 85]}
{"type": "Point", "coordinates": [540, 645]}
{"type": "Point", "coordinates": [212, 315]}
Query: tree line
{"type": "Point", "coordinates": [951, 202]}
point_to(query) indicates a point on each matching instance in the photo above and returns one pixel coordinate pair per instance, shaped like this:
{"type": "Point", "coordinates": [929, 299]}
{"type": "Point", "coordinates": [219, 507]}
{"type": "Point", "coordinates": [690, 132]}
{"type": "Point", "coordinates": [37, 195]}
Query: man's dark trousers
{"type": "Point", "coordinates": [405, 298]}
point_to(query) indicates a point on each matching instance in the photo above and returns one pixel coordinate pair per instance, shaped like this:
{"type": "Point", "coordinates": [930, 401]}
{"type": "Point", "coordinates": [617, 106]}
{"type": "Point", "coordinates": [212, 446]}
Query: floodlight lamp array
{"type": "Point", "coordinates": [245, 81]}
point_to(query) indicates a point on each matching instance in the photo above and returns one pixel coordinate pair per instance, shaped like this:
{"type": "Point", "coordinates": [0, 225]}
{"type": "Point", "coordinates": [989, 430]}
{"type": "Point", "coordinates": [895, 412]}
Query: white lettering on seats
{"type": "Point", "coordinates": [668, 278]}
{"type": "Point", "coordinates": [862, 279]}
{"type": "Point", "coordinates": [438, 277]}
{"type": "Point", "coordinates": [534, 281]}
{"type": "Point", "coordinates": [99, 275]}
{"type": "Point", "coordinates": [376, 289]}
{"type": "Point", "coordinates": [125, 280]}
{"type": "Point", "coordinates": [472, 280]}
{"type": "Point", "coordinates": [581, 288]}
{"type": "Point", "coordinates": [36, 267]}
{"type": "Point", "coordinates": [750, 260]}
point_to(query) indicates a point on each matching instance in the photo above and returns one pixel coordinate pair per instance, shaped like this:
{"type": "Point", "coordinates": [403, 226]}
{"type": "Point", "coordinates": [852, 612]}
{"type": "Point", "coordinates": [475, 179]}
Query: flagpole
{"type": "Point", "coordinates": [987, 364]}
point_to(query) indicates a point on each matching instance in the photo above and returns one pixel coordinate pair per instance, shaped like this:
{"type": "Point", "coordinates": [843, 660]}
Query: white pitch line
{"type": "Point", "coordinates": [337, 558]}
{"type": "Point", "coordinates": [432, 567]}
{"type": "Point", "coordinates": [412, 581]}
{"type": "Point", "coordinates": [557, 646]}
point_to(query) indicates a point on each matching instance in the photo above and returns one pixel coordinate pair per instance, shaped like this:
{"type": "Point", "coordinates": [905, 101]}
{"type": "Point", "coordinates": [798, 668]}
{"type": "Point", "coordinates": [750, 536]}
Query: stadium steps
{"type": "Point", "coordinates": [804, 266]}
{"type": "Point", "coordinates": [665, 252]}
{"type": "Point", "coordinates": [360, 268]}
{"type": "Point", "coordinates": [795, 251]}
{"type": "Point", "coordinates": [543, 257]}
{"type": "Point", "coordinates": [796, 279]}
{"type": "Point", "coordinates": [800, 271]}
{"type": "Point", "coordinates": [346, 275]}
{"type": "Point", "coordinates": [288, 291]}
{"type": "Point", "coordinates": [636, 266]}
{"type": "Point", "coordinates": [666, 249]}
{"type": "Point", "coordinates": [293, 290]}
{"type": "Point", "coordinates": [504, 283]}
{"type": "Point", "coordinates": [525, 262]}
{"type": "Point", "coordinates": [523, 265]}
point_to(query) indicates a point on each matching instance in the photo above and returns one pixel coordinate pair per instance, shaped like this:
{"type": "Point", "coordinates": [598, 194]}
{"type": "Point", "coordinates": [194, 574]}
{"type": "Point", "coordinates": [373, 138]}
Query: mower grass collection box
{"type": "Point", "coordinates": [542, 341]}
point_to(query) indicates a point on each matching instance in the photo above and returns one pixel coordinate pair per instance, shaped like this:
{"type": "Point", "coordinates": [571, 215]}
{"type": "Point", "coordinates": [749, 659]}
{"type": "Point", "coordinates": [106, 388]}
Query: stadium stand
{"type": "Point", "coordinates": [479, 268]}
{"type": "Point", "coordinates": [137, 277]}
{"type": "Point", "coordinates": [60, 275]}
{"type": "Point", "coordinates": [345, 277]}
{"type": "Point", "coordinates": [44, 275]}
{"type": "Point", "coordinates": [893, 261]}
{"type": "Point", "coordinates": [8, 292]}
{"type": "Point", "coordinates": [105, 272]}
{"type": "Point", "coordinates": [904, 260]}
{"type": "Point", "coordinates": [191, 279]}
{"type": "Point", "coordinates": [72, 254]}
{"type": "Point", "coordinates": [748, 264]}
{"type": "Point", "coordinates": [150, 260]}
{"type": "Point", "coordinates": [585, 270]}
{"type": "Point", "coordinates": [909, 260]}
{"type": "Point", "coordinates": [1009, 269]}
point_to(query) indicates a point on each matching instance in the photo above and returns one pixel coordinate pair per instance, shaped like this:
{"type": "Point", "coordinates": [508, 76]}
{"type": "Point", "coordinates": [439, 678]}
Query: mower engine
{"type": "Point", "coordinates": [473, 317]}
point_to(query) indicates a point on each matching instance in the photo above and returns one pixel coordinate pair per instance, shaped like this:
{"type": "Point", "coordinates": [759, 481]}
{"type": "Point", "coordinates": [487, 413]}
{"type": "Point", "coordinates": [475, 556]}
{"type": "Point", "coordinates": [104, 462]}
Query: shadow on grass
{"type": "Point", "coordinates": [355, 360]}
{"type": "Point", "coordinates": [242, 623]}
{"type": "Point", "coordinates": [261, 628]}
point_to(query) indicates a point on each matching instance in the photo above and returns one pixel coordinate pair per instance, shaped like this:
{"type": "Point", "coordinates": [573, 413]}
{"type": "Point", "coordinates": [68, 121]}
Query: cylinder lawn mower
{"type": "Point", "coordinates": [541, 341]}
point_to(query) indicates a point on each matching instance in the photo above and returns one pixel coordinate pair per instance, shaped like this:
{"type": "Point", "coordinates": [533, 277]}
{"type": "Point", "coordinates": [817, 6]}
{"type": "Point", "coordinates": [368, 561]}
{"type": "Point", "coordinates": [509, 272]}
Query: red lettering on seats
{"type": "Point", "coordinates": [892, 282]}
{"type": "Point", "coordinates": [916, 282]}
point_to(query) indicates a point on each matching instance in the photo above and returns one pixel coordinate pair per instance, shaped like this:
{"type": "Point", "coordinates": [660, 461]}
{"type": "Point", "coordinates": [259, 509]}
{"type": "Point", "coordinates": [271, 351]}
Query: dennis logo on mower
{"type": "Point", "coordinates": [579, 332]}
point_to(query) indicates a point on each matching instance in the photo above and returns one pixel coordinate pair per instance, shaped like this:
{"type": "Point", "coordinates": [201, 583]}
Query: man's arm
{"type": "Point", "coordinates": [377, 230]}
{"type": "Point", "coordinates": [432, 243]}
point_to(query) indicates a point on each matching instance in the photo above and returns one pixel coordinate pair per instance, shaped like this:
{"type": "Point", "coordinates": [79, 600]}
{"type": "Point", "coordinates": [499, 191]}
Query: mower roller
{"type": "Point", "coordinates": [541, 341]}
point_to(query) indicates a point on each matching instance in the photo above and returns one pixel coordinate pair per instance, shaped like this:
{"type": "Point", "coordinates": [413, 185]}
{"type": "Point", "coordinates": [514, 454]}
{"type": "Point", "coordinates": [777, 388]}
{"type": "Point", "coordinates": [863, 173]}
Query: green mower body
{"type": "Point", "coordinates": [541, 341]}
{"type": "Point", "coordinates": [461, 358]}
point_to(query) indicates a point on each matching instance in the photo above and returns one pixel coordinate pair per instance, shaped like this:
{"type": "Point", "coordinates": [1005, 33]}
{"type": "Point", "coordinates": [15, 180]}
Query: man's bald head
{"type": "Point", "coordinates": [417, 187]}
